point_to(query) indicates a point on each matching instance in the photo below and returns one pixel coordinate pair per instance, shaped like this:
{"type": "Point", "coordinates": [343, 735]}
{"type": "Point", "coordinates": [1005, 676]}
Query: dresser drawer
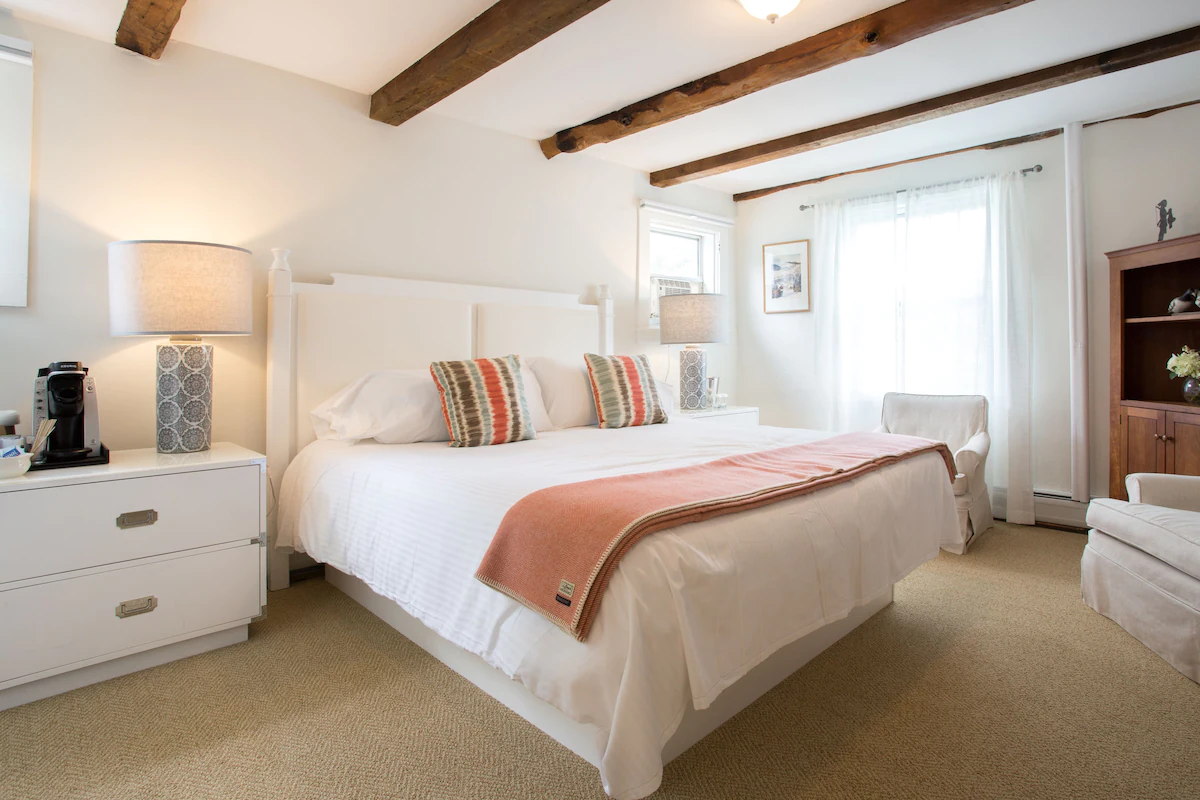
{"type": "Point", "coordinates": [60, 623]}
{"type": "Point", "coordinates": [64, 528]}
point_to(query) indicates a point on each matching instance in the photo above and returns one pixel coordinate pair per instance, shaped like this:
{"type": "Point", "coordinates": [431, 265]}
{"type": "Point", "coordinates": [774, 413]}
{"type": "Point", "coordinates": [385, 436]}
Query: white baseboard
{"type": "Point", "coordinates": [1047, 508]}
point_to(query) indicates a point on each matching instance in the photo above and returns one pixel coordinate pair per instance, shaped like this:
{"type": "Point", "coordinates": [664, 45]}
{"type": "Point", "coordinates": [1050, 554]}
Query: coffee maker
{"type": "Point", "coordinates": [63, 392]}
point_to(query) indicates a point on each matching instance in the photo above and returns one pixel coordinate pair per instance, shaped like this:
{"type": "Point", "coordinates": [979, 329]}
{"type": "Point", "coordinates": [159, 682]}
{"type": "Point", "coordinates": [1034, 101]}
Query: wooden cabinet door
{"type": "Point", "coordinates": [1142, 447]}
{"type": "Point", "coordinates": [1183, 443]}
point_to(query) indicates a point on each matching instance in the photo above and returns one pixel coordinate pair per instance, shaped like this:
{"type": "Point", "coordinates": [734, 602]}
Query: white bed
{"type": "Point", "coordinates": [689, 611]}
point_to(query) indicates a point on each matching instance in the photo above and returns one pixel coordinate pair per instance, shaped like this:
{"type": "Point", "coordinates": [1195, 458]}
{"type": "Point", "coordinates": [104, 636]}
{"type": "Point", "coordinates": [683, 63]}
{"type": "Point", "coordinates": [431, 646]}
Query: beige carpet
{"type": "Point", "coordinates": [988, 678]}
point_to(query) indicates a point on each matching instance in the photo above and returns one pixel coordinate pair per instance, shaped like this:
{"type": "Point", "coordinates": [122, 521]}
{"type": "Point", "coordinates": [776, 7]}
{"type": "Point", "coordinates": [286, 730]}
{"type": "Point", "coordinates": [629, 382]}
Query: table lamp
{"type": "Point", "coordinates": [693, 319]}
{"type": "Point", "coordinates": [184, 290]}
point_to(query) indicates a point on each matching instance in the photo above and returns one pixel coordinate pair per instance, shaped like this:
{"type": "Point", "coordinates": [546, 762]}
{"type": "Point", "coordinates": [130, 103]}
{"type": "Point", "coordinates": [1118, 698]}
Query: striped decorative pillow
{"type": "Point", "coordinates": [483, 401]}
{"type": "Point", "coordinates": [623, 388]}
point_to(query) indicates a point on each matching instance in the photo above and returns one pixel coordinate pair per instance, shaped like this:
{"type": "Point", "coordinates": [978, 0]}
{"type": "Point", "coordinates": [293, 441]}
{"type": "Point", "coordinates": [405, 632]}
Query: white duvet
{"type": "Point", "coordinates": [688, 611]}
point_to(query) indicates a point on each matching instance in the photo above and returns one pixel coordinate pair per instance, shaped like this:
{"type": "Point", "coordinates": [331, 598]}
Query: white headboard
{"type": "Point", "coordinates": [320, 337]}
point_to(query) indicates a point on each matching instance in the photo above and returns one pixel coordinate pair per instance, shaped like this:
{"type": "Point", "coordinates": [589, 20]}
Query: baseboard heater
{"type": "Point", "coordinates": [1049, 507]}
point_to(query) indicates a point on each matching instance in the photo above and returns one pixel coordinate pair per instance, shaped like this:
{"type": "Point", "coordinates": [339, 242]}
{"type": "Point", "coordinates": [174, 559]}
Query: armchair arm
{"type": "Point", "coordinates": [972, 455]}
{"type": "Point", "coordinates": [1170, 491]}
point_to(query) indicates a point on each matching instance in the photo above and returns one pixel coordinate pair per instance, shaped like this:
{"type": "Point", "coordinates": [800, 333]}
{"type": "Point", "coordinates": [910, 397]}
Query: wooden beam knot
{"type": "Point", "coordinates": [871, 37]}
{"type": "Point", "coordinates": [625, 119]}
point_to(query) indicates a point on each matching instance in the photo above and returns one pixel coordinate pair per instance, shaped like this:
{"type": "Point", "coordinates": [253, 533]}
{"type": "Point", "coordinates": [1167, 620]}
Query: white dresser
{"type": "Point", "coordinates": [106, 570]}
{"type": "Point", "coordinates": [731, 415]}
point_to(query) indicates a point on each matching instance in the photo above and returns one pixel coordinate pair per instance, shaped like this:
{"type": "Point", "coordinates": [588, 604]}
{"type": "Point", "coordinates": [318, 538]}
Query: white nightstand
{"type": "Point", "coordinates": [107, 570]}
{"type": "Point", "coordinates": [731, 415]}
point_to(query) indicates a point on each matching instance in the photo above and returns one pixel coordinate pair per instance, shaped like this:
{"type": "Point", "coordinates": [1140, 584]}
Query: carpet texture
{"type": "Point", "coordinates": [987, 678]}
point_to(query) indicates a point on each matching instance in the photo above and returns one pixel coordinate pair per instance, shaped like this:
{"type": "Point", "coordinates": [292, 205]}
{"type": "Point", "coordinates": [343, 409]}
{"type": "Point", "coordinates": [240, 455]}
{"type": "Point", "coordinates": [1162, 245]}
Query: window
{"type": "Point", "coordinates": [679, 252]}
{"type": "Point", "coordinates": [928, 291]}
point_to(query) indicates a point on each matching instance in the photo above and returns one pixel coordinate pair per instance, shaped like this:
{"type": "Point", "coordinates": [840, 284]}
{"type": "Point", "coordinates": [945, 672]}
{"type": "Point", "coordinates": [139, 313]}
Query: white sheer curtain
{"type": "Point", "coordinates": [928, 291]}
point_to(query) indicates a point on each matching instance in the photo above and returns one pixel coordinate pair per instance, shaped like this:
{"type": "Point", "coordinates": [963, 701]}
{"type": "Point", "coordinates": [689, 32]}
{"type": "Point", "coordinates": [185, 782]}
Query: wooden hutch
{"type": "Point", "coordinates": [1153, 430]}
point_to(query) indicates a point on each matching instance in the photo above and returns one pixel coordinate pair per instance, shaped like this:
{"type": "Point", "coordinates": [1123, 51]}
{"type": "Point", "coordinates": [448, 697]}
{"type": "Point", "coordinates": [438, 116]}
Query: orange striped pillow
{"type": "Point", "coordinates": [623, 388]}
{"type": "Point", "coordinates": [483, 401]}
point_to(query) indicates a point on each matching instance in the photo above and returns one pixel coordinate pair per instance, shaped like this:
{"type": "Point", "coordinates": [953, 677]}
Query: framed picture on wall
{"type": "Point", "coordinates": [785, 277]}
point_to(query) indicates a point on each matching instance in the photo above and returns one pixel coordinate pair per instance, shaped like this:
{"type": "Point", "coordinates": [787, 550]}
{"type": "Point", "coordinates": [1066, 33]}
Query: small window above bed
{"type": "Point", "coordinates": [679, 252]}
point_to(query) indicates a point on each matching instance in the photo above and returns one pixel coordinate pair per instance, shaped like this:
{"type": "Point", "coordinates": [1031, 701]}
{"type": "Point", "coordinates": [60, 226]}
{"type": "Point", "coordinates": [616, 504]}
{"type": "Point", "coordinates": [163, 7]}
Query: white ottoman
{"type": "Point", "coordinates": [1141, 566]}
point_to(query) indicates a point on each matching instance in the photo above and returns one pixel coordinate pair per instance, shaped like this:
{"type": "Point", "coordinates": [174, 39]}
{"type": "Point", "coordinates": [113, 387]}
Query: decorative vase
{"type": "Point", "coordinates": [1191, 390]}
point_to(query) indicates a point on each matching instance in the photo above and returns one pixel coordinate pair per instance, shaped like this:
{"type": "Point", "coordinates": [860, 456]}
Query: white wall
{"type": "Point", "coordinates": [1129, 166]}
{"type": "Point", "coordinates": [202, 146]}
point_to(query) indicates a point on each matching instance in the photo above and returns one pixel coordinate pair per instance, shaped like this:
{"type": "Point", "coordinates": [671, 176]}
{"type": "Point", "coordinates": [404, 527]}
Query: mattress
{"type": "Point", "coordinates": [688, 610]}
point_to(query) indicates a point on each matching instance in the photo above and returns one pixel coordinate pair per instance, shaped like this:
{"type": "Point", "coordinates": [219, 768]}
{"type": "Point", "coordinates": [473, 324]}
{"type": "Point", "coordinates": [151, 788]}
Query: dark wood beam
{"type": "Point", "coordinates": [1122, 58]}
{"type": "Point", "coordinates": [1154, 112]}
{"type": "Point", "coordinates": [1033, 137]}
{"type": "Point", "coordinates": [146, 25]}
{"type": "Point", "coordinates": [865, 36]}
{"type": "Point", "coordinates": [506, 29]}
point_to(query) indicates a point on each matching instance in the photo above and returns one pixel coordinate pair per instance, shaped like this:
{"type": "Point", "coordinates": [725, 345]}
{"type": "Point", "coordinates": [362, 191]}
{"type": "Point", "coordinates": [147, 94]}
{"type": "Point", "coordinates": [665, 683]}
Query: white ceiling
{"type": "Point", "coordinates": [630, 49]}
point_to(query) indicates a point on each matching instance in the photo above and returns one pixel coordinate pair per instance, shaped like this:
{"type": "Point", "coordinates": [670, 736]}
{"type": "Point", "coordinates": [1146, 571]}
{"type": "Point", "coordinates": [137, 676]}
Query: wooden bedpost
{"type": "Point", "coordinates": [605, 313]}
{"type": "Point", "coordinates": [279, 401]}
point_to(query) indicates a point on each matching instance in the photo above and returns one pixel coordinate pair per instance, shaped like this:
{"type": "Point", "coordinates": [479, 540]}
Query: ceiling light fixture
{"type": "Point", "coordinates": [770, 10]}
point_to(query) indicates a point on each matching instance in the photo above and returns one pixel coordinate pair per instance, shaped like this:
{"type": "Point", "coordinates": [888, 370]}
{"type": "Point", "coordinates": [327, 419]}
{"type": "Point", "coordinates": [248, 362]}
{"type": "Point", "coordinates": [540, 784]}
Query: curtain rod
{"type": "Point", "coordinates": [1024, 172]}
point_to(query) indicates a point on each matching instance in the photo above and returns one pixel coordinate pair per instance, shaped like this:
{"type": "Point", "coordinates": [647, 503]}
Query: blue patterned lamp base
{"type": "Point", "coordinates": [184, 397]}
{"type": "Point", "coordinates": [693, 374]}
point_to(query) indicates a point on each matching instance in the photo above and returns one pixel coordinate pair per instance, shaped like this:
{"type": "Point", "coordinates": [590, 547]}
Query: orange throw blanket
{"type": "Point", "coordinates": [557, 547]}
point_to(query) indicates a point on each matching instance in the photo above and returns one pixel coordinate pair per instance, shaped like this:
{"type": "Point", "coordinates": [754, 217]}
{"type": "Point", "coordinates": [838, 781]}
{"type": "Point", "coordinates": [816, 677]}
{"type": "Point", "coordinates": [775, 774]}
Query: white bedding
{"type": "Point", "coordinates": [688, 611]}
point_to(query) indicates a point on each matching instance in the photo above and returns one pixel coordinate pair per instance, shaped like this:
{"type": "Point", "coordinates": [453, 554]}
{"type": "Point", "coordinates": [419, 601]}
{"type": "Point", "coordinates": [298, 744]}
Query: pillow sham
{"type": "Point", "coordinates": [401, 406]}
{"type": "Point", "coordinates": [624, 391]}
{"type": "Point", "coordinates": [392, 407]}
{"type": "Point", "coordinates": [483, 401]}
{"type": "Point", "coordinates": [566, 391]}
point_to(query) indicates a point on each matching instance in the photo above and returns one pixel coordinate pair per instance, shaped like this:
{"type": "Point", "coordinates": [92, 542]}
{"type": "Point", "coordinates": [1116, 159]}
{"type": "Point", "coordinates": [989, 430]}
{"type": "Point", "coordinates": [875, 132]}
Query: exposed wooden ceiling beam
{"type": "Point", "coordinates": [1122, 58]}
{"type": "Point", "coordinates": [146, 25]}
{"type": "Point", "coordinates": [506, 29]}
{"type": "Point", "coordinates": [1033, 137]}
{"type": "Point", "coordinates": [865, 36]}
{"type": "Point", "coordinates": [1154, 112]}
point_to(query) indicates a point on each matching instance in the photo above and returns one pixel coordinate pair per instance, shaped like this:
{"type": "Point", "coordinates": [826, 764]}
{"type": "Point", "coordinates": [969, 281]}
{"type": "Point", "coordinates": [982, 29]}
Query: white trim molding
{"type": "Point", "coordinates": [1077, 312]}
{"type": "Point", "coordinates": [686, 213]}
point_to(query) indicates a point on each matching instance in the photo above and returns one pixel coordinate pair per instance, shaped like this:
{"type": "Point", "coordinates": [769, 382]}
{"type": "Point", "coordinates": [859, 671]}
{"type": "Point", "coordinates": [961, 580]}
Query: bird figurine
{"type": "Point", "coordinates": [1186, 303]}
{"type": "Point", "coordinates": [1166, 219]}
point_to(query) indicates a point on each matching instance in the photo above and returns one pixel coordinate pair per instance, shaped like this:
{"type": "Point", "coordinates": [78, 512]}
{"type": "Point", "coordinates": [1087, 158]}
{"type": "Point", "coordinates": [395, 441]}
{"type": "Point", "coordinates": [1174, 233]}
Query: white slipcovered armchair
{"type": "Point", "coordinates": [961, 421]}
{"type": "Point", "coordinates": [1141, 566]}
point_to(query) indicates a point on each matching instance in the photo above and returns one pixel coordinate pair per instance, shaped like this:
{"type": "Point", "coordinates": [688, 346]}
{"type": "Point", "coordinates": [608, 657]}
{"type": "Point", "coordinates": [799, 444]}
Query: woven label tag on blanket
{"type": "Point", "coordinates": [557, 547]}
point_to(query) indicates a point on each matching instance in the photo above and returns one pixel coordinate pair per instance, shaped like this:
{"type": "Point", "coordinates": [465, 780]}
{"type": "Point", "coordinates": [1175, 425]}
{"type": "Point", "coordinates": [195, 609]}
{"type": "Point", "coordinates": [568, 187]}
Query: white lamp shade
{"type": "Point", "coordinates": [179, 288]}
{"type": "Point", "coordinates": [693, 318]}
{"type": "Point", "coordinates": [769, 9]}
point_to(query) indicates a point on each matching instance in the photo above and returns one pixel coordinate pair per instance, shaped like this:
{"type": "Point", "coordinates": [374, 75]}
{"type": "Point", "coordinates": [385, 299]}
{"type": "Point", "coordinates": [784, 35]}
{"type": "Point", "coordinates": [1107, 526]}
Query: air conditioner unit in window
{"type": "Point", "coordinates": [665, 286]}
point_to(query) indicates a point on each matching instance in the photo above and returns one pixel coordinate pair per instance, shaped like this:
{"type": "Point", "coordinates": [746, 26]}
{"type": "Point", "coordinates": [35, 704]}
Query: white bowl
{"type": "Point", "coordinates": [14, 466]}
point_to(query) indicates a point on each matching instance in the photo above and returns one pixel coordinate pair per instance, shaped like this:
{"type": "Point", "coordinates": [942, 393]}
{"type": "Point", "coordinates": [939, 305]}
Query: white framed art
{"type": "Point", "coordinates": [785, 277]}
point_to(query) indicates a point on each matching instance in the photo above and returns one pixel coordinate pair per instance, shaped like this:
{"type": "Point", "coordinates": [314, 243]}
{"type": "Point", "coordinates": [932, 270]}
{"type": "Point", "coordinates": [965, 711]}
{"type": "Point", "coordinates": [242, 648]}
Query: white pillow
{"type": "Point", "coordinates": [402, 407]}
{"type": "Point", "coordinates": [668, 396]}
{"type": "Point", "coordinates": [535, 398]}
{"type": "Point", "coordinates": [391, 407]}
{"type": "Point", "coordinates": [566, 391]}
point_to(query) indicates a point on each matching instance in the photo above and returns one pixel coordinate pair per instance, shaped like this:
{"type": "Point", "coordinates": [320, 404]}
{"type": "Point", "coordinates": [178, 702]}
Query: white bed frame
{"type": "Point", "coordinates": [320, 337]}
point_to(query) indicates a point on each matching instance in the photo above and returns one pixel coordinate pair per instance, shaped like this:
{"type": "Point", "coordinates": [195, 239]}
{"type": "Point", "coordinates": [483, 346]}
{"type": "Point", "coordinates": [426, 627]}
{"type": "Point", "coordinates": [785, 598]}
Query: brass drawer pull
{"type": "Point", "coordinates": [142, 605]}
{"type": "Point", "coordinates": [137, 519]}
